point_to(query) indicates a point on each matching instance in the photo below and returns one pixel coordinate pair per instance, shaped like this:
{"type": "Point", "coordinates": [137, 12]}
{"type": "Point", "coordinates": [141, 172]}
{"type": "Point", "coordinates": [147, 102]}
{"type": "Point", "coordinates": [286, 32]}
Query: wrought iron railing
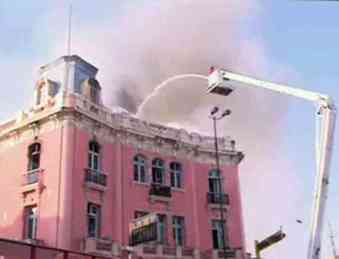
{"type": "Point", "coordinates": [160, 190]}
{"type": "Point", "coordinates": [218, 198]}
{"type": "Point", "coordinates": [96, 177]}
{"type": "Point", "coordinates": [32, 176]}
{"type": "Point", "coordinates": [228, 253]}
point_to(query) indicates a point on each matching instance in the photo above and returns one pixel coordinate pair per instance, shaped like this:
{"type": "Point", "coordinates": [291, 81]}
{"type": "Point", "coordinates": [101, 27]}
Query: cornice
{"type": "Point", "coordinates": [121, 128]}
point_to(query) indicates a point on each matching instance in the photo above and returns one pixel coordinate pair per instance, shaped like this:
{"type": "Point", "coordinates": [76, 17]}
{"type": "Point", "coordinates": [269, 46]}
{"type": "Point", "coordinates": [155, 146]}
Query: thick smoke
{"type": "Point", "coordinates": [148, 43]}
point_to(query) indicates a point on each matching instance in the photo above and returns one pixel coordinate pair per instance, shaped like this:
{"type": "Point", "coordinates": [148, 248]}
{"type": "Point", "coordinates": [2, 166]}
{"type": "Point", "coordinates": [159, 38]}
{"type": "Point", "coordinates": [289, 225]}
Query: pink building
{"type": "Point", "coordinates": [76, 173]}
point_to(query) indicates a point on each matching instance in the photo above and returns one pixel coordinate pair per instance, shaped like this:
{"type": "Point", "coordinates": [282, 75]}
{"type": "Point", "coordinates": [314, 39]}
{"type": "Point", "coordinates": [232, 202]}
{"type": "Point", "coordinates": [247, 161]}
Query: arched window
{"type": "Point", "coordinates": [176, 174]}
{"type": "Point", "coordinates": [92, 90]}
{"type": "Point", "coordinates": [94, 156]}
{"type": "Point", "coordinates": [158, 171]}
{"type": "Point", "coordinates": [93, 220]}
{"type": "Point", "coordinates": [94, 93]}
{"type": "Point", "coordinates": [31, 222]}
{"type": "Point", "coordinates": [214, 181]}
{"type": "Point", "coordinates": [139, 168]}
{"type": "Point", "coordinates": [219, 238]}
{"type": "Point", "coordinates": [45, 89]}
{"type": "Point", "coordinates": [34, 156]}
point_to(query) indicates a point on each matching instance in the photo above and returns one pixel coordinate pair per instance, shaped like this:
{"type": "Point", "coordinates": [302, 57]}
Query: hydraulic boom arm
{"type": "Point", "coordinates": [220, 83]}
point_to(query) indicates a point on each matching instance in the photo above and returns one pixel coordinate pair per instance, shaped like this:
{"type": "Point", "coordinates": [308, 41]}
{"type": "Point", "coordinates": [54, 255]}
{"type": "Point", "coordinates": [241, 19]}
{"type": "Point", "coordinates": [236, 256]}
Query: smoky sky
{"type": "Point", "coordinates": [153, 40]}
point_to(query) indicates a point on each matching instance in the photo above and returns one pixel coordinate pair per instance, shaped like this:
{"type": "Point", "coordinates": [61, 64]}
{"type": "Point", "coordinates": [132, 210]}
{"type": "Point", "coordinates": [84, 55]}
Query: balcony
{"type": "Point", "coordinates": [98, 246]}
{"type": "Point", "coordinates": [164, 251]}
{"type": "Point", "coordinates": [160, 192]}
{"type": "Point", "coordinates": [215, 199]}
{"type": "Point", "coordinates": [95, 177]}
{"type": "Point", "coordinates": [32, 176]}
{"type": "Point", "coordinates": [229, 253]}
{"type": "Point", "coordinates": [32, 181]}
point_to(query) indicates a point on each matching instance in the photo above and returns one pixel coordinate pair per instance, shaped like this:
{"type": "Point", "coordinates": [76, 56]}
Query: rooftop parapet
{"type": "Point", "coordinates": [119, 119]}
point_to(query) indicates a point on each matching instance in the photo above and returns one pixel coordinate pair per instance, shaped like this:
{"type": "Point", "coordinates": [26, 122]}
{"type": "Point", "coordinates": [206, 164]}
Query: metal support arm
{"type": "Point", "coordinates": [226, 76]}
{"type": "Point", "coordinates": [219, 82]}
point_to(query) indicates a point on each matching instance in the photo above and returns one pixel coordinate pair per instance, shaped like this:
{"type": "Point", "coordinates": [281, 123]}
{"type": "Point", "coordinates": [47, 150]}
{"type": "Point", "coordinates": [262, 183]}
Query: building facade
{"type": "Point", "coordinates": [76, 173]}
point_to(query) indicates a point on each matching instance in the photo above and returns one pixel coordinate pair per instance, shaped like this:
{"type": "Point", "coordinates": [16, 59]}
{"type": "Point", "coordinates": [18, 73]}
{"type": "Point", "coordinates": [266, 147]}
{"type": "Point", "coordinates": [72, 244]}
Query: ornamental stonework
{"type": "Point", "coordinates": [120, 127]}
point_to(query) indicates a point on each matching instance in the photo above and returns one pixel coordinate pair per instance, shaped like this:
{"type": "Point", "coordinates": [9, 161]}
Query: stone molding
{"type": "Point", "coordinates": [117, 127]}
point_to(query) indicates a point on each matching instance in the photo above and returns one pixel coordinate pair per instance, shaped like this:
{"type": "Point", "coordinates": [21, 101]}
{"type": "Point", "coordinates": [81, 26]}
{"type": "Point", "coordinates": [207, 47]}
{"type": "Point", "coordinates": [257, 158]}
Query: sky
{"type": "Point", "coordinates": [293, 42]}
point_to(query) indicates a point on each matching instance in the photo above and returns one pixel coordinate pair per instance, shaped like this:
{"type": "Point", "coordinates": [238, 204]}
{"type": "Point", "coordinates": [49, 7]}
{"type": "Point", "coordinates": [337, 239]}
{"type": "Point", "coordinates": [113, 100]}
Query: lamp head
{"type": "Point", "coordinates": [214, 110]}
{"type": "Point", "coordinates": [226, 113]}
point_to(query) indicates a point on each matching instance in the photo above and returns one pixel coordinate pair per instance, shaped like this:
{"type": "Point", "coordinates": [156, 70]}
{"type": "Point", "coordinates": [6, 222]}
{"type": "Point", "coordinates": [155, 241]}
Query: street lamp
{"type": "Point", "coordinates": [216, 116]}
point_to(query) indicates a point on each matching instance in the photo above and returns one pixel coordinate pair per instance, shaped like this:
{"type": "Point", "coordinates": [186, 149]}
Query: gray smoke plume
{"type": "Point", "coordinates": [125, 95]}
{"type": "Point", "coordinates": [152, 41]}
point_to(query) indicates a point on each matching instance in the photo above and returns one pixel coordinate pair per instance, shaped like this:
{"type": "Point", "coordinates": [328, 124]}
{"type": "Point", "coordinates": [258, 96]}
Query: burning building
{"type": "Point", "coordinates": [76, 173]}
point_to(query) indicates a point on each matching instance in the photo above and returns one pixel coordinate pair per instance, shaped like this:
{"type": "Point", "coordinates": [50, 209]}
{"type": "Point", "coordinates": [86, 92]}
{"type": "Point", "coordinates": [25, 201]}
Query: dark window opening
{"type": "Point", "coordinates": [158, 171]}
{"type": "Point", "coordinates": [139, 169]}
{"type": "Point", "coordinates": [31, 222]}
{"type": "Point", "coordinates": [218, 236]}
{"type": "Point", "coordinates": [34, 156]}
{"type": "Point", "coordinates": [94, 156]}
{"type": "Point", "coordinates": [214, 182]}
{"type": "Point", "coordinates": [178, 230]}
{"type": "Point", "coordinates": [93, 220]}
{"type": "Point", "coordinates": [162, 228]}
{"type": "Point", "coordinates": [176, 174]}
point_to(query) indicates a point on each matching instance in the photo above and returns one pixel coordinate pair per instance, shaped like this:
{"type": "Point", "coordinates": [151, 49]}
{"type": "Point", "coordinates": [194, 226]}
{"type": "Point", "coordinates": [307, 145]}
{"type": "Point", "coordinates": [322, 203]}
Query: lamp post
{"type": "Point", "coordinates": [215, 116]}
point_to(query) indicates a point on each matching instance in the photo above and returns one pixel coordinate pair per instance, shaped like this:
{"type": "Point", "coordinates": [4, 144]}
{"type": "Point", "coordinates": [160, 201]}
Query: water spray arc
{"type": "Point", "coordinates": [163, 84]}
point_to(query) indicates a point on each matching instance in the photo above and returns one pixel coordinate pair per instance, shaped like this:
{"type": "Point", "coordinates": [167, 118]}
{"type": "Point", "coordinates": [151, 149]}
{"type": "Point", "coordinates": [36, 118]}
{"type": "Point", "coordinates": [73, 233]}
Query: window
{"type": "Point", "coordinates": [40, 92]}
{"type": "Point", "coordinates": [91, 89]}
{"type": "Point", "coordinates": [176, 174]}
{"type": "Point", "coordinates": [158, 171]}
{"type": "Point", "coordinates": [214, 182]}
{"type": "Point", "coordinates": [162, 229]}
{"type": "Point", "coordinates": [31, 222]}
{"type": "Point", "coordinates": [93, 220]}
{"type": "Point", "coordinates": [38, 96]}
{"type": "Point", "coordinates": [94, 90]}
{"type": "Point", "coordinates": [178, 230]}
{"type": "Point", "coordinates": [218, 234]}
{"type": "Point", "coordinates": [139, 169]}
{"type": "Point", "coordinates": [44, 93]}
{"type": "Point", "coordinates": [94, 94]}
{"type": "Point", "coordinates": [34, 156]}
{"type": "Point", "coordinates": [139, 214]}
{"type": "Point", "coordinates": [94, 156]}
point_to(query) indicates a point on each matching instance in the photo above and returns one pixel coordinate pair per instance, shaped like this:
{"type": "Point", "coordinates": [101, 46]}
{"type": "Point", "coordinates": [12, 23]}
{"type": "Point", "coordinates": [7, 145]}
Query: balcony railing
{"type": "Point", "coordinates": [93, 176]}
{"type": "Point", "coordinates": [160, 190]}
{"type": "Point", "coordinates": [32, 176]}
{"type": "Point", "coordinates": [165, 251]}
{"type": "Point", "coordinates": [228, 253]}
{"type": "Point", "coordinates": [218, 198]}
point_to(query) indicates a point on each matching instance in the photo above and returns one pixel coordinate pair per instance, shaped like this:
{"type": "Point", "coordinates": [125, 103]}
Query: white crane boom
{"type": "Point", "coordinates": [219, 83]}
{"type": "Point", "coordinates": [222, 78]}
{"type": "Point", "coordinates": [334, 248]}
